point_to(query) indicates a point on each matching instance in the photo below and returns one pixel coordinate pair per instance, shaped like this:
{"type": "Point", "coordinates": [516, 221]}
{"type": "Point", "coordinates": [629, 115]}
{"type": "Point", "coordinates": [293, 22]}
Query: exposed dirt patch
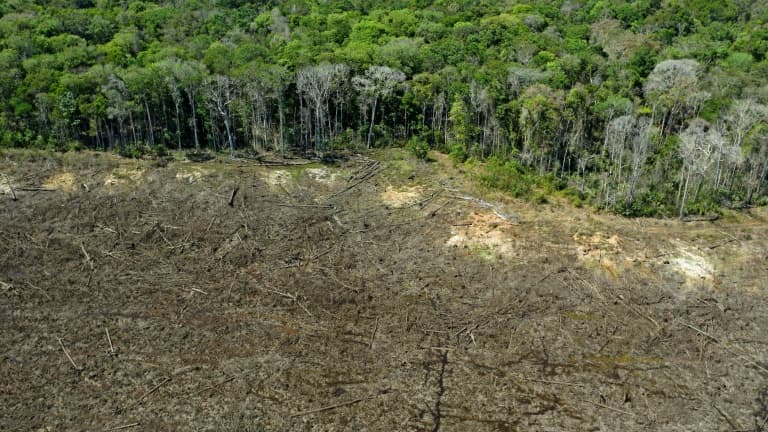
{"type": "Point", "coordinates": [192, 175]}
{"type": "Point", "coordinates": [692, 264]}
{"type": "Point", "coordinates": [596, 246]}
{"type": "Point", "coordinates": [402, 196]}
{"type": "Point", "coordinates": [323, 175]}
{"type": "Point", "coordinates": [124, 176]}
{"type": "Point", "coordinates": [603, 250]}
{"type": "Point", "coordinates": [5, 185]}
{"type": "Point", "coordinates": [277, 179]}
{"type": "Point", "coordinates": [485, 233]}
{"type": "Point", "coordinates": [303, 305]}
{"type": "Point", "coordinates": [64, 182]}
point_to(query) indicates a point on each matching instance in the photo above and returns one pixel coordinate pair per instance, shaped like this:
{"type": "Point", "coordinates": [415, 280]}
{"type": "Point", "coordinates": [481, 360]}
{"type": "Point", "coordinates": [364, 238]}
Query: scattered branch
{"type": "Point", "coordinates": [109, 339]}
{"type": "Point", "coordinates": [373, 333]}
{"type": "Point", "coordinates": [231, 202]}
{"type": "Point", "coordinates": [374, 169]}
{"type": "Point", "coordinates": [282, 204]}
{"type": "Point", "coordinates": [607, 407]}
{"type": "Point", "coordinates": [61, 344]}
{"type": "Point", "coordinates": [218, 384]}
{"type": "Point", "coordinates": [122, 427]}
{"type": "Point", "coordinates": [152, 390]}
{"type": "Point", "coordinates": [702, 332]}
{"type": "Point", "coordinates": [731, 422]}
{"type": "Point", "coordinates": [332, 407]}
{"type": "Point", "coordinates": [36, 189]}
{"type": "Point", "coordinates": [87, 257]}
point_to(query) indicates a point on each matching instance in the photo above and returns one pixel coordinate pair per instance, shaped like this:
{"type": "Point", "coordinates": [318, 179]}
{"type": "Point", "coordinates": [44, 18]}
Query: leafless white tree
{"type": "Point", "coordinates": [674, 90]}
{"type": "Point", "coordinates": [743, 121]}
{"type": "Point", "coordinates": [221, 92]}
{"type": "Point", "coordinates": [378, 83]}
{"type": "Point", "coordinates": [698, 147]}
{"type": "Point", "coordinates": [316, 84]}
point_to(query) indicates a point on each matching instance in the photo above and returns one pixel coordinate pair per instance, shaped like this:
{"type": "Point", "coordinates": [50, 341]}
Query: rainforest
{"type": "Point", "coordinates": [644, 107]}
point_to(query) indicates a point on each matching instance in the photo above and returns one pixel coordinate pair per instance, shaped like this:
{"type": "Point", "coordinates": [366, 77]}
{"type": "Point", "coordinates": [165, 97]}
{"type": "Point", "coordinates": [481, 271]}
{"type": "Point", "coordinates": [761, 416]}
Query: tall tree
{"type": "Point", "coordinates": [674, 90]}
{"type": "Point", "coordinates": [316, 84]}
{"type": "Point", "coordinates": [220, 91]}
{"type": "Point", "coordinates": [698, 144]}
{"type": "Point", "coordinates": [378, 83]}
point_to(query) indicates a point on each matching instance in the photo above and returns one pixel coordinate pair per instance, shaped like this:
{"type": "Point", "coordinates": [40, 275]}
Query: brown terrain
{"type": "Point", "coordinates": [378, 294]}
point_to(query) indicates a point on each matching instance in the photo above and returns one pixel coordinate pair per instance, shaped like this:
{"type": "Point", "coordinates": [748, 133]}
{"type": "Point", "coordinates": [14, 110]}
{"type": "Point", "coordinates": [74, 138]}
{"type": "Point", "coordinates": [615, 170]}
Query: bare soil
{"type": "Point", "coordinates": [371, 296]}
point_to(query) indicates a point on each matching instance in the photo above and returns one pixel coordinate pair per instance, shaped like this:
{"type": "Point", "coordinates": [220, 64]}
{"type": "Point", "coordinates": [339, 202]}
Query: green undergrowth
{"type": "Point", "coordinates": [520, 182]}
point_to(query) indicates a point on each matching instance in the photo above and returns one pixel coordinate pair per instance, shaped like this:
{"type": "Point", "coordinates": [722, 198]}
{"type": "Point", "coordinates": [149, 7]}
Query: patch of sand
{"type": "Point", "coordinates": [124, 176]}
{"type": "Point", "coordinates": [403, 196]}
{"type": "Point", "coordinates": [596, 246]}
{"type": "Point", "coordinates": [5, 188]}
{"type": "Point", "coordinates": [600, 248]}
{"type": "Point", "coordinates": [484, 231]}
{"type": "Point", "coordinates": [277, 178]}
{"type": "Point", "coordinates": [192, 176]}
{"type": "Point", "coordinates": [692, 265]}
{"type": "Point", "coordinates": [65, 182]}
{"type": "Point", "coordinates": [322, 175]}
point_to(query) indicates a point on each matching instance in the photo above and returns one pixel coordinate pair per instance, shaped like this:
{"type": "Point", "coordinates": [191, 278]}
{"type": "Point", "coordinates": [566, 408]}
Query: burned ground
{"type": "Point", "coordinates": [375, 295]}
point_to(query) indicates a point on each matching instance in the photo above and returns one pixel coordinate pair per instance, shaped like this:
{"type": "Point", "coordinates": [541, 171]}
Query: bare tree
{"type": "Point", "coordinates": [378, 83]}
{"type": "Point", "coordinates": [316, 83]}
{"type": "Point", "coordinates": [743, 121]}
{"type": "Point", "coordinates": [698, 144]}
{"type": "Point", "coordinates": [221, 92]}
{"type": "Point", "coordinates": [117, 94]}
{"type": "Point", "coordinates": [481, 105]}
{"type": "Point", "coordinates": [279, 26]}
{"type": "Point", "coordinates": [274, 79]}
{"type": "Point", "coordinates": [615, 41]}
{"type": "Point", "coordinates": [674, 90]}
{"type": "Point", "coordinates": [628, 140]}
{"type": "Point", "coordinates": [618, 134]}
{"type": "Point", "coordinates": [759, 162]}
{"type": "Point", "coordinates": [641, 145]}
{"type": "Point", "coordinates": [520, 78]}
{"type": "Point", "coordinates": [190, 77]}
{"type": "Point", "coordinates": [540, 123]}
{"type": "Point", "coordinates": [168, 68]}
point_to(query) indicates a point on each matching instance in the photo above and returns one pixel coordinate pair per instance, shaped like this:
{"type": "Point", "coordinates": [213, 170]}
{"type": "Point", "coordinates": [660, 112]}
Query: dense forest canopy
{"type": "Point", "coordinates": [641, 107]}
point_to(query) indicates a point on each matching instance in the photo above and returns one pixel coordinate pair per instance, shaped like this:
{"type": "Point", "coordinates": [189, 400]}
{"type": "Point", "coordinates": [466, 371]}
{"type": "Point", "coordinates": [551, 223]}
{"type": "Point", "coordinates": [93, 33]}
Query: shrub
{"type": "Point", "coordinates": [575, 196]}
{"type": "Point", "coordinates": [458, 154]}
{"type": "Point", "coordinates": [199, 156]}
{"type": "Point", "coordinates": [160, 151]}
{"type": "Point", "coordinates": [508, 176]}
{"type": "Point", "coordinates": [418, 148]}
{"type": "Point", "coordinates": [133, 152]}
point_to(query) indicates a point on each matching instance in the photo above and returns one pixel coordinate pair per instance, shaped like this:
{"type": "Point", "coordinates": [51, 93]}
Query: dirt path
{"type": "Point", "coordinates": [364, 297]}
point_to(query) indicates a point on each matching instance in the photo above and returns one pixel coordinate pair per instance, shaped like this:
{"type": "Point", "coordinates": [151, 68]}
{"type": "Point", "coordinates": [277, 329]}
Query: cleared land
{"type": "Point", "coordinates": [375, 295]}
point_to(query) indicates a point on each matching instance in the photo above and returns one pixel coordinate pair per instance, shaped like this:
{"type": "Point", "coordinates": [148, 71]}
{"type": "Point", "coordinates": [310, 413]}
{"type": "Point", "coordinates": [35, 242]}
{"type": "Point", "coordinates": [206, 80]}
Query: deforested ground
{"type": "Point", "coordinates": [378, 293]}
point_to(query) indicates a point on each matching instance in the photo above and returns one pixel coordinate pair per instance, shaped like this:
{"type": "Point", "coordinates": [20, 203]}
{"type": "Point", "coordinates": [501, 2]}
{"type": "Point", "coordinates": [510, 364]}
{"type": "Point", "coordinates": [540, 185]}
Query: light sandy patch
{"type": "Point", "coordinates": [65, 182]}
{"type": "Point", "coordinates": [192, 176]}
{"type": "Point", "coordinates": [5, 188]}
{"type": "Point", "coordinates": [484, 231]}
{"type": "Point", "coordinates": [277, 179]}
{"type": "Point", "coordinates": [124, 176]}
{"type": "Point", "coordinates": [596, 246]}
{"type": "Point", "coordinates": [322, 175]}
{"type": "Point", "coordinates": [692, 265]}
{"type": "Point", "coordinates": [402, 197]}
{"type": "Point", "coordinates": [603, 249]}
